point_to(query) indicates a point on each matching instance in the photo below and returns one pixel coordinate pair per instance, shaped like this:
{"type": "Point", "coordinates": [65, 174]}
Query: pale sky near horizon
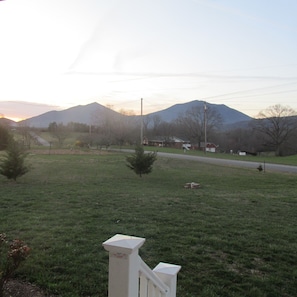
{"type": "Point", "coordinates": [55, 54]}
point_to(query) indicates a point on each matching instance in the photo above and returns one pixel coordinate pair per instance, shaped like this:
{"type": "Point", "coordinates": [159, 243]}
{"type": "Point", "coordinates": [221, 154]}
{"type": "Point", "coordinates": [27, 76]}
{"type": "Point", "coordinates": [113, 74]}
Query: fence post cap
{"type": "Point", "coordinates": [168, 269]}
{"type": "Point", "coordinates": [123, 243]}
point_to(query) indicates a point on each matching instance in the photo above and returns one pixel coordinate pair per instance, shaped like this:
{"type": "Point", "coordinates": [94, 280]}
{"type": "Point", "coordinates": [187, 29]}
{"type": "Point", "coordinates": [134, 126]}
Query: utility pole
{"type": "Point", "coordinates": [141, 123]}
{"type": "Point", "coordinates": [205, 124]}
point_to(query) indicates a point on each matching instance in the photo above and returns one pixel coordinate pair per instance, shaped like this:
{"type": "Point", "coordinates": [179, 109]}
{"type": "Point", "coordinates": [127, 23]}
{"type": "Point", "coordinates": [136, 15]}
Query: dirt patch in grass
{"type": "Point", "coordinates": [16, 288]}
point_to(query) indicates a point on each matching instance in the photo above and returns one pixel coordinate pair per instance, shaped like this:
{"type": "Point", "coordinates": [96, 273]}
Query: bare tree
{"type": "Point", "coordinates": [114, 127]}
{"type": "Point", "coordinates": [125, 129]}
{"type": "Point", "coordinates": [193, 120]}
{"type": "Point", "coordinates": [277, 123]}
{"type": "Point", "coordinates": [146, 123]}
{"type": "Point", "coordinates": [25, 130]}
{"type": "Point", "coordinates": [240, 139]}
{"type": "Point", "coordinates": [157, 120]}
{"type": "Point", "coordinates": [104, 121]}
{"type": "Point", "coordinates": [58, 131]}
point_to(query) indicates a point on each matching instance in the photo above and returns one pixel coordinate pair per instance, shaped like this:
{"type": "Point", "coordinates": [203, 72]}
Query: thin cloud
{"type": "Point", "coordinates": [87, 48]}
{"type": "Point", "coordinates": [24, 109]}
{"type": "Point", "coordinates": [95, 41]}
{"type": "Point", "coordinates": [241, 14]}
{"type": "Point", "coordinates": [35, 104]}
{"type": "Point", "coordinates": [143, 75]}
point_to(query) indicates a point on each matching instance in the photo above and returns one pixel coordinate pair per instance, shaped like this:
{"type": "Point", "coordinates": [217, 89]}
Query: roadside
{"type": "Point", "coordinates": [226, 162]}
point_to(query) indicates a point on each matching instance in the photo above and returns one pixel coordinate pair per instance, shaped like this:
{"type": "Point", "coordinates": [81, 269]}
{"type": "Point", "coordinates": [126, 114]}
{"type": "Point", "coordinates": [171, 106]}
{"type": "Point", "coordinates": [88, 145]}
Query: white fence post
{"type": "Point", "coordinates": [168, 274]}
{"type": "Point", "coordinates": [124, 265]}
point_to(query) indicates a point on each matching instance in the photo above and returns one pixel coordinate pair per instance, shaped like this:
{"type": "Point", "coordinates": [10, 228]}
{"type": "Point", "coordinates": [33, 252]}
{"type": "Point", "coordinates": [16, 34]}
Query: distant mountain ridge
{"type": "Point", "coordinates": [90, 113]}
{"type": "Point", "coordinates": [84, 114]}
{"type": "Point", "coordinates": [7, 122]}
{"type": "Point", "coordinates": [229, 115]}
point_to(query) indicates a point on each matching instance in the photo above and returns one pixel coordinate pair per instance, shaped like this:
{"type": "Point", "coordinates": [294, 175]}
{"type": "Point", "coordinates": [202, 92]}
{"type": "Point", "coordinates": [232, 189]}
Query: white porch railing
{"type": "Point", "coordinates": [129, 276]}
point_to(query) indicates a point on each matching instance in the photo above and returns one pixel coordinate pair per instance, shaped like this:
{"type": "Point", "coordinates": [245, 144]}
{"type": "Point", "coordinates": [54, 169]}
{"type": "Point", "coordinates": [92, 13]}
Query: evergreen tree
{"type": "Point", "coordinates": [5, 137]}
{"type": "Point", "coordinates": [12, 165]}
{"type": "Point", "coordinates": [140, 162]}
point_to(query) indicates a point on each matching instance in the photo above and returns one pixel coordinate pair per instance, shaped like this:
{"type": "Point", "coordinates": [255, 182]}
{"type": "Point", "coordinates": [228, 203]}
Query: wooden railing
{"type": "Point", "coordinates": [129, 276]}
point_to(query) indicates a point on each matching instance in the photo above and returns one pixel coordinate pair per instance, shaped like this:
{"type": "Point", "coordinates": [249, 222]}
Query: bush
{"type": "Point", "coordinates": [12, 254]}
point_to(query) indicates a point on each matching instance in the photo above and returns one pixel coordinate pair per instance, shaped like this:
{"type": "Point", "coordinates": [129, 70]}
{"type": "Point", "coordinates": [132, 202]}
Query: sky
{"type": "Point", "coordinates": [55, 54]}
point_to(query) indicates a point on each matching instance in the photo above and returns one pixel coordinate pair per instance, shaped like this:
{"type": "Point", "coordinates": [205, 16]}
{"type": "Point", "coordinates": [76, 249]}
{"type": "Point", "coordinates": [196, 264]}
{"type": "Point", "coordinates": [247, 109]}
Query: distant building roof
{"type": "Point", "coordinates": [167, 139]}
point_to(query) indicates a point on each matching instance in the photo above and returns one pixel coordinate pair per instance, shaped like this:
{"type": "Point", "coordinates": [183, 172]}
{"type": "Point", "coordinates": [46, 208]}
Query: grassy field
{"type": "Point", "coordinates": [235, 236]}
{"type": "Point", "coordinates": [267, 157]}
{"type": "Point", "coordinates": [263, 157]}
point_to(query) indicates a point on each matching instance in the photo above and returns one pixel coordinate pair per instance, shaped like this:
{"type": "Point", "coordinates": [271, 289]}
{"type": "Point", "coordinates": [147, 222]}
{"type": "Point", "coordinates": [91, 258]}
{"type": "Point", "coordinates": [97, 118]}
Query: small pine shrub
{"type": "Point", "coordinates": [12, 165]}
{"type": "Point", "coordinates": [140, 162]}
{"type": "Point", "coordinates": [5, 137]}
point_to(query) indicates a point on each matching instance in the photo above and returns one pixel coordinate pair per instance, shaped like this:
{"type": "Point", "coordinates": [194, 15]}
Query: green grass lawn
{"type": "Point", "coordinates": [267, 157]}
{"type": "Point", "coordinates": [235, 236]}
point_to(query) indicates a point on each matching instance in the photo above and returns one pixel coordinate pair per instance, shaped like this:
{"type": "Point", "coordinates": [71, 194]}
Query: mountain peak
{"type": "Point", "coordinates": [86, 113]}
{"type": "Point", "coordinates": [228, 114]}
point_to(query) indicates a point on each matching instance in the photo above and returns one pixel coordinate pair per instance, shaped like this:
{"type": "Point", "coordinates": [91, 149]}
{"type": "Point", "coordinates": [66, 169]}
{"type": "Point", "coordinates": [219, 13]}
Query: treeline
{"type": "Point", "coordinates": [274, 130]}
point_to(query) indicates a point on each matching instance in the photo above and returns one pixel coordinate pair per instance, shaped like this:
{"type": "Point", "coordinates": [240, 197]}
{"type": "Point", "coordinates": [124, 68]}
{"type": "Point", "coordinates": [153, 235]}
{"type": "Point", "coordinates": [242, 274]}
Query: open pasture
{"type": "Point", "coordinates": [235, 236]}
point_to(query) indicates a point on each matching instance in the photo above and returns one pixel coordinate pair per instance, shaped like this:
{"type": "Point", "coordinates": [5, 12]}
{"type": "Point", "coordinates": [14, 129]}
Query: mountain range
{"type": "Point", "coordinates": [229, 115]}
{"type": "Point", "coordinates": [88, 114]}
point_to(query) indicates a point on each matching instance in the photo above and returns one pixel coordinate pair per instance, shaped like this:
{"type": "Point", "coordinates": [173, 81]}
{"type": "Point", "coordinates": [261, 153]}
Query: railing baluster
{"type": "Point", "coordinates": [151, 289]}
{"type": "Point", "coordinates": [143, 282]}
{"type": "Point", "coordinates": [151, 275]}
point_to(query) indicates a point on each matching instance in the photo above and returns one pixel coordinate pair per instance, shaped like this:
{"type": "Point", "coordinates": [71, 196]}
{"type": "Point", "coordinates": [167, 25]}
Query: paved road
{"type": "Point", "coordinates": [39, 139]}
{"type": "Point", "coordinates": [231, 163]}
